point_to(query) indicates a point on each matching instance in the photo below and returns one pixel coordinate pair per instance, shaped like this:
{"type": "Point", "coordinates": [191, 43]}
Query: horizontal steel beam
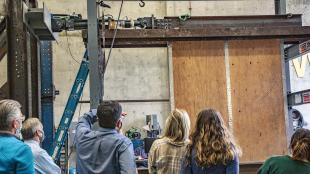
{"type": "Point", "coordinates": [234, 21]}
{"type": "Point", "coordinates": [135, 44]}
{"type": "Point", "coordinates": [287, 27]}
{"type": "Point", "coordinates": [211, 33]}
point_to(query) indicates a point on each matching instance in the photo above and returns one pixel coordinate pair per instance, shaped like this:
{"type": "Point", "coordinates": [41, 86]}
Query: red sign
{"type": "Point", "coordinates": [304, 47]}
{"type": "Point", "coordinates": [306, 97]}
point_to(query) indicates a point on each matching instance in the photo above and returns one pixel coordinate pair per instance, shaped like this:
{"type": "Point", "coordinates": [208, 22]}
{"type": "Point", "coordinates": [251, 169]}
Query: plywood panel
{"type": "Point", "coordinates": [257, 98]}
{"type": "Point", "coordinates": [199, 76]}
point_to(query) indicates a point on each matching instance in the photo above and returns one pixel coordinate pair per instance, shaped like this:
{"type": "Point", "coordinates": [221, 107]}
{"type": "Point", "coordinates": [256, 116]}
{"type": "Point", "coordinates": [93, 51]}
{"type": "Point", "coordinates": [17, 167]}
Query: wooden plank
{"type": "Point", "coordinates": [199, 76]}
{"type": "Point", "coordinates": [257, 98]}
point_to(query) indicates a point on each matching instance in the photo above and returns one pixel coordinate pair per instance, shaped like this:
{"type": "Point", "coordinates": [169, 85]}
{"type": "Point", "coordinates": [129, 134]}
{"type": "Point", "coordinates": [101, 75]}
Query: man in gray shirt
{"type": "Point", "coordinates": [105, 150]}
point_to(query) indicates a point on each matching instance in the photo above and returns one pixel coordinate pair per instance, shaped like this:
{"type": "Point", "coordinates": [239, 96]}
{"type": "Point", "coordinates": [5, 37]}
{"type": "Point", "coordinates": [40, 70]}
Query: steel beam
{"type": "Point", "coordinates": [96, 62]}
{"type": "Point", "coordinates": [211, 33]}
{"type": "Point", "coordinates": [136, 44]}
{"type": "Point", "coordinates": [17, 54]}
{"type": "Point", "coordinates": [231, 21]}
{"type": "Point", "coordinates": [47, 91]}
{"type": "Point", "coordinates": [280, 7]}
{"type": "Point", "coordinates": [35, 76]}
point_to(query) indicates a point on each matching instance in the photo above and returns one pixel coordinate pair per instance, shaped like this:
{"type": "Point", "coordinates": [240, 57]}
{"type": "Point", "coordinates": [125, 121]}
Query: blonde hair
{"type": "Point", "coordinates": [9, 110]}
{"type": "Point", "coordinates": [30, 126]}
{"type": "Point", "coordinates": [212, 142]}
{"type": "Point", "coordinates": [177, 126]}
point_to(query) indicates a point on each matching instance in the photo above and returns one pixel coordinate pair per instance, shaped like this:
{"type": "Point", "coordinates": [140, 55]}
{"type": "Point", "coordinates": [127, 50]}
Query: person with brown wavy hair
{"type": "Point", "coordinates": [212, 148]}
{"type": "Point", "coordinates": [298, 162]}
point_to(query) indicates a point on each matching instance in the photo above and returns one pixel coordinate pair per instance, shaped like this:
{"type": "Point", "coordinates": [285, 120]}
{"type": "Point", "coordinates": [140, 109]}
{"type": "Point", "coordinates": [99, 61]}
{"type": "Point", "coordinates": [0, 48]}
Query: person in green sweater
{"type": "Point", "coordinates": [297, 163]}
{"type": "Point", "coordinates": [15, 156]}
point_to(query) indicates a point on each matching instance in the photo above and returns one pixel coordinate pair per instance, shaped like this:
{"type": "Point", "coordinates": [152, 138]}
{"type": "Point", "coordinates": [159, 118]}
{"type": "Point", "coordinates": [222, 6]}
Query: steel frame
{"type": "Point", "coordinates": [47, 93]}
{"type": "Point", "coordinates": [96, 62]}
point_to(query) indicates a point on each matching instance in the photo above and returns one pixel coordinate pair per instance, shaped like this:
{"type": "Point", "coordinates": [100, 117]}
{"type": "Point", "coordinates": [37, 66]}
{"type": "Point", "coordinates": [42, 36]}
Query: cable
{"type": "Point", "coordinates": [69, 49]}
{"type": "Point", "coordinates": [115, 32]}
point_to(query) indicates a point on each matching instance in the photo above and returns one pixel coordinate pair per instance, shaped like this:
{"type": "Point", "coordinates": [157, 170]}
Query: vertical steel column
{"type": "Point", "coordinates": [280, 8]}
{"type": "Point", "coordinates": [96, 61]}
{"type": "Point", "coordinates": [35, 77]}
{"type": "Point", "coordinates": [17, 54]}
{"type": "Point", "coordinates": [47, 92]}
{"type": "Point", "coordinates": [34, 69]}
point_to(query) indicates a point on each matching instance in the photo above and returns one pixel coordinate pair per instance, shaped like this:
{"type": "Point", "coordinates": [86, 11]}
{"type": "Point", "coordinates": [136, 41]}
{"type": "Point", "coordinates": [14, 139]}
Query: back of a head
{"type": "Point", "coordinates": [9, 110]}
{"type": "Point", "coordinates": [177, 126]}
{"type": "Point", "coordinates": [108, 113]}
{"type": "Point", "coordinates": [300, 144]}
{"type": "Point", "coordinates": [30, 126]}
{"type": "Point", "coordinates": [211, 140]}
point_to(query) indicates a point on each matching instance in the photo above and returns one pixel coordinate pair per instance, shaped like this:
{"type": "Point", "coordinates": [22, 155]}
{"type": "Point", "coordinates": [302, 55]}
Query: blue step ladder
{"type": "Point", "coordinates": [76, 92]}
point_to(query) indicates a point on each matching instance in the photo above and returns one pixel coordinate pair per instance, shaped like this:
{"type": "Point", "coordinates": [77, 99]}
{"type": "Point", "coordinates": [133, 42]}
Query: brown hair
{"type": "Point", "coordinates": [177, 126]}
{"type": "Point", "coordinates": [109, 112]}
{"type": "Point", "coordinates": [30, 126]}
{"type": "Point", "coordinates": [300, 144]}
{"type": "Point", "coordinates": [212, 142]}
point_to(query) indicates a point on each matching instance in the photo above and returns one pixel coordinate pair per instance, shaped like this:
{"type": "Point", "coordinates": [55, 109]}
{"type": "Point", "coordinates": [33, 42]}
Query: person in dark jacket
{"type": "Point", "coordinates": [298, 162]}
{"type": "Point", "coordinates": [212, 148]}
{"type": "Point", "coordinates": [104, 150]}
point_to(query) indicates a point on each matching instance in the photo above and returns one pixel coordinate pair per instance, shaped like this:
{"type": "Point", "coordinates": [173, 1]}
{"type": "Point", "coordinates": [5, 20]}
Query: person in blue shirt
{"type": "Point", "coordinates": [212, 148]}
{"type": "Point", "coordinates": [33, 135]}
{"type": "Point", "coordinates": [15, 156]}
{"type": "Point", "coordinates": [105, 150]}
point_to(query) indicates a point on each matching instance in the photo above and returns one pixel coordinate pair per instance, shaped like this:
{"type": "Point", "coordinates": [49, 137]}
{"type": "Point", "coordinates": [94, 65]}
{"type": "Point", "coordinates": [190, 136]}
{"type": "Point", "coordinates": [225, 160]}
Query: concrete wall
{"type": "Point", "coordinates": [3, 71]}
{"type": "Point", "coordinates": [299, 7]}
{"type": "Point", "coordinates": [2, 9]}
{"type": "Point", "coordinates": [3, 64]}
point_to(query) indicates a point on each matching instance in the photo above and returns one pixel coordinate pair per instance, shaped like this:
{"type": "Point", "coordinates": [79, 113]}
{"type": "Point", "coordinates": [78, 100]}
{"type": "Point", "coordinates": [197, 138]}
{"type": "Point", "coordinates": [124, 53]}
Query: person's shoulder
{"type": "Point", "coordinates": [22, 148]}
{"type": "Point", "coordinates": [160, 142]}
{"type": "Point", "coordinates": [277, 159]}
{"type": "Point", "coordinates": [18, 144]}
{"type": "Point", "coordinates": [124, 139]}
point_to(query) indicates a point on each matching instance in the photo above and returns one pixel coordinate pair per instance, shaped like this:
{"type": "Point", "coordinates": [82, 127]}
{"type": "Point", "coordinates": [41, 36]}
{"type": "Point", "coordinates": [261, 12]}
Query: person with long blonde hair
{"type": "Point", "coordinates": [168, 153]}
{"type": "Point", "coordinates": [298, 162]}
{"type": "Point", "coordinates": [212, 148]}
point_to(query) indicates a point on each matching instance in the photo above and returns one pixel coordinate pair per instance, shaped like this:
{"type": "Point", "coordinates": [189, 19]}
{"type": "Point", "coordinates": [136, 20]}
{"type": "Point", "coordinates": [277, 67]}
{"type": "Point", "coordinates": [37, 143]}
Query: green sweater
{"type": "Point", "coordinates": [284, 165]}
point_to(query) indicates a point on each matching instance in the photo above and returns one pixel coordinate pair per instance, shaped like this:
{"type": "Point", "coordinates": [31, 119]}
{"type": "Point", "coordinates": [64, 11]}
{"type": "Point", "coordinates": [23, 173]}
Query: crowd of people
{"type": "Point", "coordinates": [209, 148]}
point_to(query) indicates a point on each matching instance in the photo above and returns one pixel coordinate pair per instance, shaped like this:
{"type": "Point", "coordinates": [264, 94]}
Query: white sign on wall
{"type": "Point", "coordinates": [300, 80]}
{"type": "Point", "coordinates": [300, 64]}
